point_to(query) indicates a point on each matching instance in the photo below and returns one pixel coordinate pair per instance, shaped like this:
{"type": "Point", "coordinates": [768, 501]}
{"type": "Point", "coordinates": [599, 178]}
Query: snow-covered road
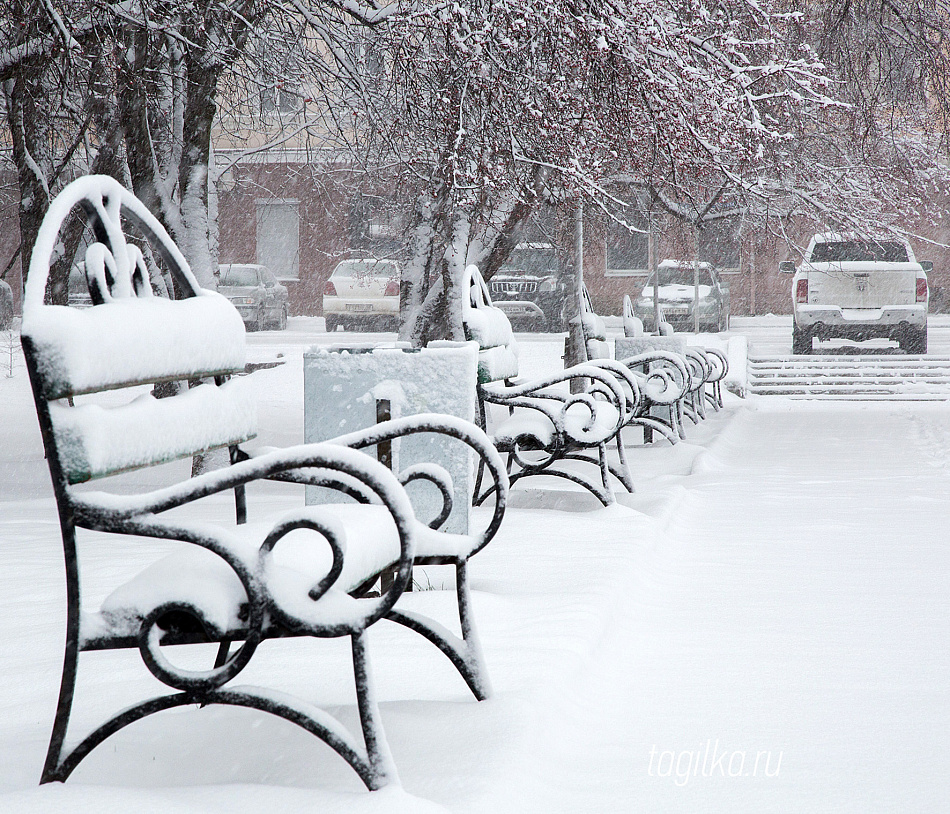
{"type": "Point", "coordinates": [762, 627]}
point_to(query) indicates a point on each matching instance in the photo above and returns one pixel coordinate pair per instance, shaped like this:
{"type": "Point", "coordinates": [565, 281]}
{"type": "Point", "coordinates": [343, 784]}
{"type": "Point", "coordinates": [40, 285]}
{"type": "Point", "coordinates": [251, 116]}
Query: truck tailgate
{"type": "Point", "coordinates": [862, 285]}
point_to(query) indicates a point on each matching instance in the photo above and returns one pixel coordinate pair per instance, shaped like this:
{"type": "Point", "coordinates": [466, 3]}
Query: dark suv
{"type": "Point", "coordinates": [530, 287]}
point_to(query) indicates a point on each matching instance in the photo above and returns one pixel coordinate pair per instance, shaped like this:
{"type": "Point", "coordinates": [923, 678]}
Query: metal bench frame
{"type": "Point", "coordinates": [336, 464]}
{"type": "Point", "coordinates": [549, 398]}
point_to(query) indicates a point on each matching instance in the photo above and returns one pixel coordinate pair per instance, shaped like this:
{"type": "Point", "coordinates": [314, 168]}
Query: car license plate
{"type": "Point", "coordinates": [359, 306]}
{"type": "Point", "coordinates": [676, 312]}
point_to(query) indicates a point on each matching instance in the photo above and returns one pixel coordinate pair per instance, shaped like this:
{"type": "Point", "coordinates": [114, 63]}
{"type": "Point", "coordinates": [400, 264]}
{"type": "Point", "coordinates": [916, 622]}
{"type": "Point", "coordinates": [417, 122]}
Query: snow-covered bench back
{"type": "Point", "coordinates": [595, 329]}
{"type": "Point", "coordinates": [489, 326]}
{"type": "Point", "coordinates": [130, 337]}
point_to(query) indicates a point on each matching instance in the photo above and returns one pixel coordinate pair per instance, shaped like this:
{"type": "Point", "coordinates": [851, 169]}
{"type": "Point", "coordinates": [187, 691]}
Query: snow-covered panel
{"type": "Point", "coordinates": [132, 340]}
{"type": "Point", "coordinates": [498, 363]}
{"type": "Point", "coordinates": [94, 441]}
{"type": "Point", "coordinates": [341, 391]}
{"type": "Point", "coordinates": [625, 347]}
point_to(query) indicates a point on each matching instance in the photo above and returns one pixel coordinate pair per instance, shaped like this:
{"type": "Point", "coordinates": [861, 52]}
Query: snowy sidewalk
{"type": "Point", "coordinates": [784, 643]}
{"type": "Point", "coordinates": [775, 591]}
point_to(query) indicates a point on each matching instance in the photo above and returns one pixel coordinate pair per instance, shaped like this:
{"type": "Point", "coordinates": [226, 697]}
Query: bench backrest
{"type": "Point", "coordinates": [491, 329]}
{"type": "Point", "coordinates": [632, 324]}
{"type": "Point", "coordinates": [128, 337]}
{"type": "Point", "coordinates": [594, 329]}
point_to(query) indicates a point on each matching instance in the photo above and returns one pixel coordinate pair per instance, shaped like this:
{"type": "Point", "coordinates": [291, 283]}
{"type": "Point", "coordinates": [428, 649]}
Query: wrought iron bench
{"type": "Point", "coordinates": [225, 587]}
{"type": "Point", "coordinates": [662, 377]}
{"type": "Point", "coordinates": [707, 367]}
{"type": "Point", "coordinates": [545, 426]}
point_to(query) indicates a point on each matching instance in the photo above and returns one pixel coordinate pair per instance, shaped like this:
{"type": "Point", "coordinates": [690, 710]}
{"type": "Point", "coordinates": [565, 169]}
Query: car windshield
{"type": "Point", "coordinates": [239, 276]}
{"type": "Point", "coordinates": [386, 269]}
{"type": "Point", "coordinates": [681, 275]}
{"type": "Point", "coordinates": [531, 261]}
{"type": "Point", "coordinates": [859, 251]}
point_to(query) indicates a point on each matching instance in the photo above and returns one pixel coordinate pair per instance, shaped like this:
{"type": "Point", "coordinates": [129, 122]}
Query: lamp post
{"type": "Point", "coordinates": [575, 351]}
{"type": "Point", "coordinates": [652, 272]}
{"type": "Point", "coordinates": [696, 279]}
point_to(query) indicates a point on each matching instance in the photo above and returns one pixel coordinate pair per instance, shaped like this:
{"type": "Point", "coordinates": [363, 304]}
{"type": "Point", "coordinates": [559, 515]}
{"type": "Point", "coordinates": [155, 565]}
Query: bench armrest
{"type": "Point", "coordinates": [451, 427]}
{"type": "Point", "coordinates": [603, 388]}
{"type": "Point", "coordinates": [325, 463]}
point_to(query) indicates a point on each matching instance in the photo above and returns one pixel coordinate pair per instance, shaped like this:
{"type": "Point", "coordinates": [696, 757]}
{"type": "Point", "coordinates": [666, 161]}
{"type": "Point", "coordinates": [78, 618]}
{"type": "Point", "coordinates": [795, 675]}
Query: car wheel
{"type": "Point", "coordinates": [332, 323]}
{"type": "Point", "coordinates": [801, 341]}
{"type": "Point", "coordinates": [282, 320]}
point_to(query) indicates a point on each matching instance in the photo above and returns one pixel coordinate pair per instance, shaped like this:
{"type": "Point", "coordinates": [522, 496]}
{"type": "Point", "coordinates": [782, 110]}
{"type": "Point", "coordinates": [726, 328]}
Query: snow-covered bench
{"type": "Point", "coordinates": [310, 573]}
{"type": "Point", "coordinates": [661, 375]}
{"type": "Point", "coordinates": [707, 367]}
{"type": "Point", "coordinates": [545, 426]}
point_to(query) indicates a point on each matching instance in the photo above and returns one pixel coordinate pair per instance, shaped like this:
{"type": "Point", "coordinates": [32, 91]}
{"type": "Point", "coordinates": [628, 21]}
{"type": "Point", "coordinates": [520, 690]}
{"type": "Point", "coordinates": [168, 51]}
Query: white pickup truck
{"type": "Point", "coordinates": [857, 288]}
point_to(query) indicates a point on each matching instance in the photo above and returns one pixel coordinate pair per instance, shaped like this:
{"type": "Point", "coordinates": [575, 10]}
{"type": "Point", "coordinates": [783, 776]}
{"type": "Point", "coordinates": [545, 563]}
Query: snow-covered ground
{"type": "Point", "coordinates": [763, 626]}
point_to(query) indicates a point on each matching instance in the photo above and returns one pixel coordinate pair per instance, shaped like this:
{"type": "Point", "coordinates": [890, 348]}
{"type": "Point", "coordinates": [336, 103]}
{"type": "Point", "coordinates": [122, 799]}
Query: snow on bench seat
{"type": "Point", "coordinates": [542, 423]}
{"type": "Point", "coordinates": [300, 560]}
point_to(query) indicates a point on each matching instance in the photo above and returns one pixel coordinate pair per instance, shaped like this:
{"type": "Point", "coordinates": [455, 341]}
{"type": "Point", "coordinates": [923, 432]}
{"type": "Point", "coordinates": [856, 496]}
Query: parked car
{"type": "Point", "coordinates": [679, 295]}
{"type": "Point", "coordinates": [255, 292]}
{"type": "Point", "coordinates": [77, 289]}
{"type": "Point", "coordinates": [859, 288]}
{"type": "Point", "coordinates": [6, 306]}
{"type": "Point", "coordinates": [362, 293]}
{"type": "Point", "coordinates": [530, 287]}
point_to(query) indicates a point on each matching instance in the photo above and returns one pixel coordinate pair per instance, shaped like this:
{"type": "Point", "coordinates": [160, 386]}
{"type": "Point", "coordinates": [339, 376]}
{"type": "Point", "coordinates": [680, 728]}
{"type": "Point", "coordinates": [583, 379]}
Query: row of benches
{"type": "Point", "coordinates": [573, 414]}
{"type": "Point", "coordinates": [314, 572]}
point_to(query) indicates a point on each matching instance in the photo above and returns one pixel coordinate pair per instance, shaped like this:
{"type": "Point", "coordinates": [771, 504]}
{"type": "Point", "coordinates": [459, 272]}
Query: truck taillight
{"type": "Point", "coordinates": [392, 289]}
{"type": "Point", "coordinates": [921, 289]}
{"type": "Point", "coordinates": [801, 291]}
{"type": "Point", "coordinates": [329, 290]}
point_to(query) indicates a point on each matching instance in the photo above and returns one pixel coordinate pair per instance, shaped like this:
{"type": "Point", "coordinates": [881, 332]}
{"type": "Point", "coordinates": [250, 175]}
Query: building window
{"type": "Point", "coordinates": [280, 101]}
{"type": "Point", "coordinates": [278, 237]}
{"type": "Point", "coordinates": [719, 244]}
{"type": "Point", "coordinates": [626, 251]}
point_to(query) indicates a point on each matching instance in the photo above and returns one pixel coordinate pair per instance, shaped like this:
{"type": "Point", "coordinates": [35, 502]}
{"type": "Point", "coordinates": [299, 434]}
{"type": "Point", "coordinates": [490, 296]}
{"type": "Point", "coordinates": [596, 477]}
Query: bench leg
{"type": "Point", "coordinates": [605, 471]}
{"type": "Point", "coordinates": [624, 475]}
{"type": "Point", "coordinates": [223, 651]}
{"type": "Point", "coordinates": [465, 652]}
{"type": "Point", "coordinates": [377, 749]}
{"type": "Point", "coordinates": [52, 769]}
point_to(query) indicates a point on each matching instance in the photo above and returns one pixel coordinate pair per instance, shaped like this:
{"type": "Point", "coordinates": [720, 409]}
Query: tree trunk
{"type": "Point", "coordinates": [26, 99]}
{"type": "Point", "coordinates": [193, 174]}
